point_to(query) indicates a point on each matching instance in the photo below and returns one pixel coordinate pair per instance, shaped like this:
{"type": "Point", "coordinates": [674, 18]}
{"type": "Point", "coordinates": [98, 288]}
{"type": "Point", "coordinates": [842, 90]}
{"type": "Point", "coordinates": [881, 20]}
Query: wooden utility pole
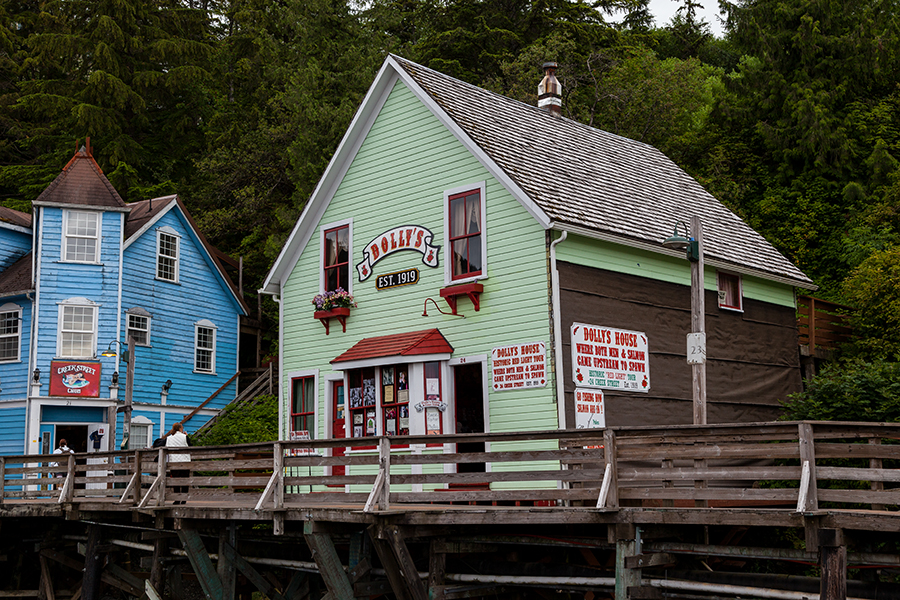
{"type": "Point", "coordinates": [129, 389]}
{"type": "Point", "coordinates": [698, 324]}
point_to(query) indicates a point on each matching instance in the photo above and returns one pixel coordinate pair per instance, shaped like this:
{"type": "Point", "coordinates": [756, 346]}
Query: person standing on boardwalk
{"type": "Point", "coordinates": [178, 439]}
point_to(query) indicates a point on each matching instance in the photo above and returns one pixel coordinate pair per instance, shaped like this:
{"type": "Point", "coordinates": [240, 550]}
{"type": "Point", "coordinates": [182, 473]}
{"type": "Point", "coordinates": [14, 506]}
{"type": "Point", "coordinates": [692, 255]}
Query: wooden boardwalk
{"type": "Point", "coordinates": [626, 490]}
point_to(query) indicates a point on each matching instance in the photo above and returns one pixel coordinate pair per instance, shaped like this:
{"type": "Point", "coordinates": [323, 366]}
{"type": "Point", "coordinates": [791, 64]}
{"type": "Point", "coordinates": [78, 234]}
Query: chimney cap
{"type": "Point", "coordinates": [550, 65]}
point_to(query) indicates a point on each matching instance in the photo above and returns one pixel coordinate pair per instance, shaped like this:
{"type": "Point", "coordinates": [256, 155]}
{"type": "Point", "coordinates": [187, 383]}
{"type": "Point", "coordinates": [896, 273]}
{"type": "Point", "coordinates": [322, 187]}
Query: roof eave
{"type": "Point", "coordinates": [93, 207]}
{"type": "Point", "coordinates": [659, 249]}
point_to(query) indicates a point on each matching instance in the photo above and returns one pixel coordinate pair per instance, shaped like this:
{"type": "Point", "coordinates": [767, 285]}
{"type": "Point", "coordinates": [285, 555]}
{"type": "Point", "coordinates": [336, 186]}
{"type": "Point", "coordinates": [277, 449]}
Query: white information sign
{"type": "Point", "coordinates": [590, 411]}
{"type": "Point", "coordinates": [696, 348]}
{"type": "Point", "coordinates": [519, 366]}
{"type": "Point", "coordinates": [612, 359]}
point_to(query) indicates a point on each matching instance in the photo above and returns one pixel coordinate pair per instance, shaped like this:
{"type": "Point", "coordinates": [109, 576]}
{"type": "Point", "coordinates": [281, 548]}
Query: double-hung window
{"type": "Point", "coordinates": [303, 405]}
{"type": "Point", "coordinates": [139, 326]}
{"type": "Point", "coordinates": [465, 233]}
{"type": "Point", "coordinates": [336, 267]}
{"type": "Point", "coordinates": [167, 259]}
{"type": "Point", "coordinates": [10, 332]}
{"type": "Point", "coordinates": [204, 347]}
{"type": "Point", "coordinates": [77, 336]}
{"type": "Point", "coordinates": [82, 236]}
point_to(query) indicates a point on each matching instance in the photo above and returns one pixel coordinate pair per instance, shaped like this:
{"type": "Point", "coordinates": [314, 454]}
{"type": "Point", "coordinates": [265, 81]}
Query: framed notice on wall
{"type": "Point", "coordinates": [520, 366]}
{"type": "Point", "coordinates": [607, 358]}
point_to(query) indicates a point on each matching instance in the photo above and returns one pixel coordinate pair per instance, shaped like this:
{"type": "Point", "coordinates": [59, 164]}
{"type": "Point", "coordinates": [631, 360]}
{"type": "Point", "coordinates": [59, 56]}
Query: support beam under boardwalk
{"type": "Point", "coordinates": [327, 560]}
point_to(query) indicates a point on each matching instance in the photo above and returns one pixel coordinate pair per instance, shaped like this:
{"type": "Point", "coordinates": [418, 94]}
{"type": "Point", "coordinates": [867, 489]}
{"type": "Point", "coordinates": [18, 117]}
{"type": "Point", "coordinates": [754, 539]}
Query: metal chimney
{"type": "Point", "coordinates": [550, 91]}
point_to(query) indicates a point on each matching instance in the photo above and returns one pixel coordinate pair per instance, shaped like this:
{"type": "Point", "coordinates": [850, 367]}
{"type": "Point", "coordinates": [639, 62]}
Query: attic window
{"type": "Point", "coordinates": [82, 236]}
{"type": "Point", "coordinates": [167, 255]}
{"type": "Point", "coordinates": [139, 326]}
{"type": "Point", "coordinates": [465, 234]}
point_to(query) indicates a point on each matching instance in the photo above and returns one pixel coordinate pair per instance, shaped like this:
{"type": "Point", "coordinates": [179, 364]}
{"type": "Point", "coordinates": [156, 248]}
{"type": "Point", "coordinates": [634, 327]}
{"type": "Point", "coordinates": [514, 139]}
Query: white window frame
{"type": "Point", "coordinates": [140, 313]}
{"type": "Point", "coordinates": [142, 422]}
{"type": "Point", "coordinates": [314, 373]}
{"type": "Point", "coordinates": [68, 214]}
{"type": "Point", "coordinates": [351, 266]}
{"type": "Point", "coordinates": [448, 251]}
{"type": "Point", "coordinates": [168, 231]}
{"type": "Point", "coordinates": [205, 324]}
{"type": "Point", "coordinates": [17, 310]}
{"type": "Point", "coordinates": [76, 303]}
{"type": "Point", "coordinates": [740, 282]}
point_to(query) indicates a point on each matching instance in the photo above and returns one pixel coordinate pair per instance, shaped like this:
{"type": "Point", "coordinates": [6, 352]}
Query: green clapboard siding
{"type": "Point", "coordinates": [398, 178]}
{"type": "Point", "coordinates": [633, 261]}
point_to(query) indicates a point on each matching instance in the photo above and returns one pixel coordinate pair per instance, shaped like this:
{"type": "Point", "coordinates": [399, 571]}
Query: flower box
{"type": "Point", "coordinates": [340, 314]}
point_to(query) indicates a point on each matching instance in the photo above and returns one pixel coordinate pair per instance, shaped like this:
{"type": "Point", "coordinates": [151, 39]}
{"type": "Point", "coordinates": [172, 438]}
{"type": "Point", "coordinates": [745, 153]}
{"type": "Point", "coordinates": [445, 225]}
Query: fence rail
{"type": "Point", "coordinates": [796, 466]}
{"type": "Point", "coordinates": [821, 324]}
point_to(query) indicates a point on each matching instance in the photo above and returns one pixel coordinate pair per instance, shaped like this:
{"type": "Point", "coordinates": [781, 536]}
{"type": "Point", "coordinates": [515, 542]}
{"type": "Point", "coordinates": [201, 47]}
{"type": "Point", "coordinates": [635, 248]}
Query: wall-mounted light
{"type": "Point", "coordinates": [425, 309]}
{"type": "Point", "coordinates": [683, 242]}
{"type": "Point", "coordinates": [36, 376]}
{"type": "Point", "coordinates": [110, 352]}
{"type": "Point", "coordinates": [167, 386]}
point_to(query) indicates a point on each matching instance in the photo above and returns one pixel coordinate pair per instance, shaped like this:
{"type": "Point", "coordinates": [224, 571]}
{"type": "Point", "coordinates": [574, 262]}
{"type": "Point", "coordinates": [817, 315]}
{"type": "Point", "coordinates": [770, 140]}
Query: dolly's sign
{"type": "Point", "coordinates": [68, 378]}
{"type": "Point", "coordinates": [608, 358]}
{"type": "Point", "coordinates": [519, 366]}
{"type": "Point", "coordinates": [407, 237]}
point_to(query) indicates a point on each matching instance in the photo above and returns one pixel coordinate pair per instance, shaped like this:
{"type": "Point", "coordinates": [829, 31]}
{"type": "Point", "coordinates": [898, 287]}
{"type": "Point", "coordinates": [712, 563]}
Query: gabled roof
{"type": "Point", "coordinates": [82, 183]}
{"type": "Point", "coordinates": [17, 278]}
{"type": "Point", "coordinates": [145, 211]}
{"type": "Point", "coordinates": [15, 217]}
{"type": "Point", "coordinates": [567, 175]}
{"type": "Point", "coordinates": [417, 343]}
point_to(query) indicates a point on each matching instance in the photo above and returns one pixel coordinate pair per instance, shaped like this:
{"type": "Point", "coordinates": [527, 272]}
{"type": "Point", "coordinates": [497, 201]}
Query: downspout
{"type": "Point", "coordinates": [557, 332]}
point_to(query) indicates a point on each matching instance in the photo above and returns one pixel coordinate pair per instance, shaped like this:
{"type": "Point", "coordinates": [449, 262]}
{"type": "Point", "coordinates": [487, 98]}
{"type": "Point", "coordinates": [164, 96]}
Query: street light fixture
{"type": "Point", "coordinates": [692, 244]}
{"type": "Point", "coordinates": [128, 357]}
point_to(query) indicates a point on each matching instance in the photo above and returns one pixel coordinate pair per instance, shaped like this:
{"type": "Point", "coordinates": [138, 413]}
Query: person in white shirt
{"type": "Point", "coordinates": [178, 439]}
{"type": "Point", "coordinates": [61, 449]}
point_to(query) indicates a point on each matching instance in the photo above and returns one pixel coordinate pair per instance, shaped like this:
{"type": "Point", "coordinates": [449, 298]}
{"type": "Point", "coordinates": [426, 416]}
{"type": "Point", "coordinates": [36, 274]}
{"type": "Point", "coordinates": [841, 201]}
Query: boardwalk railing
{"type": "Point", "coordinates": [800, 467]}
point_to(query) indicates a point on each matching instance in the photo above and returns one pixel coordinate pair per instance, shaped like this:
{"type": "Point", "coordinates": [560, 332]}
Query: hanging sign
{"type": "Point", "coordinates": [519, 366]}
{"type": "Point", "coordinates": [74, 378]}
{"type": "Point", "coordinates": [590, 410]}
{"type": "Point", "coordinates": [608, 358]}
{"type": "Point", "coordinates": [406, 237]}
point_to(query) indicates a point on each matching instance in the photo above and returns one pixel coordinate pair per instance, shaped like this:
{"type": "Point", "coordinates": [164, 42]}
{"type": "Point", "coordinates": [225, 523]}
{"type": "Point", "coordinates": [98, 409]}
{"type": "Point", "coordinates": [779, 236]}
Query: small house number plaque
{"type": "Point", "coordinates": [391, 280]}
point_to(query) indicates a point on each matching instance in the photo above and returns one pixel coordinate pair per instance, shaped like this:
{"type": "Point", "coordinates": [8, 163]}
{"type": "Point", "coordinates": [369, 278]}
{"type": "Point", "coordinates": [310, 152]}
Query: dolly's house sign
{"type": "Point", "coordinates": [407, 237]}
{"type": "Point", "coordinates": [607, 358]}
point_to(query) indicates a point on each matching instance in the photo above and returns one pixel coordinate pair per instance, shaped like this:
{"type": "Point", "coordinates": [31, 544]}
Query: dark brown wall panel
{"type": "Point", "coordinates": [752, 357]}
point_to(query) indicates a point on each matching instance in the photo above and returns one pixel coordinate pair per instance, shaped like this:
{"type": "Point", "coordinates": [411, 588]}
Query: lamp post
{"type": "Point", "coordinates": [696, 340]}
{"type": "Point", "coordinates": [129, 386]}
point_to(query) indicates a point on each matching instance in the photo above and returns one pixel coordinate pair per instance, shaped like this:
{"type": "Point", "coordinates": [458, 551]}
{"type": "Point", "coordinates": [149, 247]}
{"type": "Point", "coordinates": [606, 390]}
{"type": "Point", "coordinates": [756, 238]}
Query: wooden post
{"type": "Point", "coordinates": [876, 463]}
{"type": "Point", "coordinates": [698, 324]}
{"type": "Point", "coordinates": [833, 563]}
{"type": "Point", "coordinates": [90, 586]}
{"type": "Point", "coordinates": [157, 570]}
{"type": "Point", "coordinates": [609, 453]}
{"type": "Point", "coordinates": [384, 465]}
{"type": "Point", "coordinates": [437, 565]}
{"type": "Point", "coordinates": [278, 494]}
{"type": "Point", "coordinates": [808, 456]}
{"type": "Point", "coordinates": [161, 477]}
{"type": "Point", "coordinates": [2, 478]}
{"type": "Point", "coordinates": [389, 564]}
{"type": "Point", "coordinates": [129, 389]}
{"type": "Point", "coordinates": [405, 561]}
{"type": "Point", "coordinates": [625, 547]}
{"type": "Point", "coordinates": [225, 567]}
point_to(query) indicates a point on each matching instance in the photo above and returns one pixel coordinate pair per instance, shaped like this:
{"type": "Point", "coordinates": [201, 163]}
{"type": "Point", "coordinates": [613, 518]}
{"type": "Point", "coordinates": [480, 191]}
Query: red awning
{"type": "Point", "coordinates": [417, 343]}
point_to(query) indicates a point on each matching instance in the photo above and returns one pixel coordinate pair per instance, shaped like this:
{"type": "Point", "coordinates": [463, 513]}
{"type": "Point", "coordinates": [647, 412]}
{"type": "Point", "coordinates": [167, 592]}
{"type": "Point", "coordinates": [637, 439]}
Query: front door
{"type": "Point", "coordinates": [469, 400]}
{"type": "Point", "coordinates": [338, 419]}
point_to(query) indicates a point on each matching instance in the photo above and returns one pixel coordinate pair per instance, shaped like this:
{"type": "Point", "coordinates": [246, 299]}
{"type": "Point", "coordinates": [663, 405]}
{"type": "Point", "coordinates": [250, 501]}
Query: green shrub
{"type": "Point", "coordinates": [242, 424]}
{"type": "Point", "coordinates": [849, 390]}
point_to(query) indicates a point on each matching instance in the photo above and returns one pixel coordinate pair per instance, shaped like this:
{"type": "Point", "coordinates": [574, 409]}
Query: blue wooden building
{"type": "Point", "coordinates": [79, 277]}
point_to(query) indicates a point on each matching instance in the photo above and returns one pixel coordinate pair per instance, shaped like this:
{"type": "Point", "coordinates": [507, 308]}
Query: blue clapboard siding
{"type": "Point", "coordinates": [59, 281]}
{"type": "Point", "coordinates": [12, 430]}
{"type": "Point", "coordinates": [14, 373]}
{"type": "Point", "coordinates": [174, 308]}
{"type": "Point", "coordinates": [14, 245]}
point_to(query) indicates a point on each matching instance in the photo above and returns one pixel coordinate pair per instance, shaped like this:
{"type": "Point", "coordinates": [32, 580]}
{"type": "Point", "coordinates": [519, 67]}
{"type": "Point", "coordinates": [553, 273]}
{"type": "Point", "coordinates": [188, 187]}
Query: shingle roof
{"type": "Point", "coordinates": [417, 343]}
{"type": "Point", "coordinates": [82, 182]}
{"type": "Point", "coordinates": [14, 217]}
{"type": "Point", "coordinates": [582, 176]}
{"type": "Point", "coordinates": [143, 211]}
{"type": "Point", "coordinates": [17, 278]}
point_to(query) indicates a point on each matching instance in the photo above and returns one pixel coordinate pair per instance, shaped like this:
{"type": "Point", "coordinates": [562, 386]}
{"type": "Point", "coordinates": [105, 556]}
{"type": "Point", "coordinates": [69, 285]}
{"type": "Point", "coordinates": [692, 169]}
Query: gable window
{"type": "Point", "coordinates": [303, 405]}
{"type": "Point", "coordinates": [77, 335]}
{"type": "Point", "coordinates": [464, 235]}
{"type": "Point", "coordinates": [204, 347]}
{"type": "Point", "coordinates": [730, 293]}
{"type": "Point", "coordinates": [82, 236]}
{"type": "Point", "coordinates": [10, 332]}
{"type": "Point", "coordinates": [336, 267]}
{"type": "Point", "coordinates": [167, 243]}
{"type": "Point", "coordinates": [139, 326]}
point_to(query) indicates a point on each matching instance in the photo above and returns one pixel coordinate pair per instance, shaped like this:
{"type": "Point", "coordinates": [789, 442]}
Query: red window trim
{"type": "Point", "coordinates": [326, 267]}
{"type": "Point", "coordinates": [740, 290]}
{"type": "Point", "coordinates": [307, 414]}
{"type": "Point", "coordinates": [361, 409]}
{"type": "Point", "coordinates": [466, 236]}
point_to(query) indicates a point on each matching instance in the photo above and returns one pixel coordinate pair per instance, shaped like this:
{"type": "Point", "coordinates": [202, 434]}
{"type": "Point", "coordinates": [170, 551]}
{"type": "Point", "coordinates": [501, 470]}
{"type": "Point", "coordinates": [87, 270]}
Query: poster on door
{"type": "Point", "coordinates": [607, 358]}
{"type": "Point", "coordinates": [520, 366]}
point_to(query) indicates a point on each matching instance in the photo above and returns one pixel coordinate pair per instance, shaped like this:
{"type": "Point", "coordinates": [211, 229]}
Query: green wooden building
{"type": "Point", "coordinates": [508, 272]}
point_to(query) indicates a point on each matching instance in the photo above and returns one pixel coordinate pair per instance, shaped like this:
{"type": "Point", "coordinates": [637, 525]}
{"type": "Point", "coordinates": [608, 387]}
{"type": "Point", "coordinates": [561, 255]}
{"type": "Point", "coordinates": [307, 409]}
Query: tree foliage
{"type": "Point", "coordinates": [243, 424]}
{"type": "Point", "coordinates": [853, 390]}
